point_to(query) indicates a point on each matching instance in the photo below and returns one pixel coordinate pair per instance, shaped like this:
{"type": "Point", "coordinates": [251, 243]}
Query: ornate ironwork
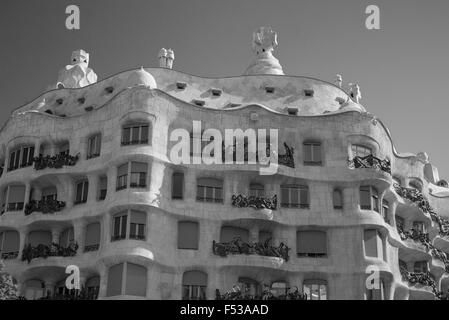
{"type": "Point", "coordinates": [58, 161]}
{"type": "Point", "coordinates": [43, 251]}
{"type": "Point", "coordinates": [237, 246]}
{"type": "Point", "coordinates": [236, 293]}
{"type": "Point", "coordinates": [81, 294]}
{"type": "Point", "coordinates": [93, 247]}
{"type": "Point", "coordinates": [287, 159]}
{"type": "Point", "coordinates": [424, 239]}
{"type": "Point", "coordinates": [418, 199]}
{"type": "Point", "coordinates": [370, 161]}
{"type": "Point", "coordinates": [10, 255]}
{"type": "Point", "coordinates": [44, 206]}
{"type": "Point", "coordinates": [241, 201]}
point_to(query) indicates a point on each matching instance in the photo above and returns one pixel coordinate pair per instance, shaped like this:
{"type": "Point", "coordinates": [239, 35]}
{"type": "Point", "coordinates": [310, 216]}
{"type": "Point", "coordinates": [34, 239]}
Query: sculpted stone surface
{"type": "Point", "coordinates": [77, 74]}
{"type": "Point", "coordinates": [264, 41]}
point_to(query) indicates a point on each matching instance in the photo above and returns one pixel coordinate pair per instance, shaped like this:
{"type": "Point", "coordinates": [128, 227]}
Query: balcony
{"type": "Point", "coordinates": [417, 198]}
{"type": "Point", "coordinates": [422, 278]}
{"type": "Point", "coordinates": [287, 159]}
{"type": "Point", "coordinates": [44, 206]}
{"type": "Point", "coordinates": [91, 248]}
{"type": "Point", "coordinates": [424, 239]}
{"type": "Point", "coordinates": [236, 293]}
{"type": "Point", "coordinates": [254, 202]}
{"type": "Point", "coordinates": [237, 246]}
{"type": "Point", "coordinates": [370, 162]}
{"type": "Point", "coordinates": [56, 162]}
{"type": "Point", "coordinates": [45, 251]}
{"type": "Point", "coordinates": [9, 255]}
{"type": "Point", "coordinates": [82, 294]}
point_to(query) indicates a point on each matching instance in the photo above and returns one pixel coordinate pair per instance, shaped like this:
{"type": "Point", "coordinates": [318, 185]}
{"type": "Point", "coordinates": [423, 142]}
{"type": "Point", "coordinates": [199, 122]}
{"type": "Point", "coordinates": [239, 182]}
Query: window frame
{"type": "Point", "coordinates": [301, 204]}
{"type": "Point", "coordinates": [312, 146]}
{"type": "Point", "coordinates": [209, 188]}
{"type": "Point", "coordinates": [84, 191]}
{"type": "Point", "coordinates": [95, 151]}
{"type": "Point", "coordinates": [17, 159]}
{"type": "Point", "coordinates": [132, 127]}
{"type": "Point", "coordinates": [125, 226]}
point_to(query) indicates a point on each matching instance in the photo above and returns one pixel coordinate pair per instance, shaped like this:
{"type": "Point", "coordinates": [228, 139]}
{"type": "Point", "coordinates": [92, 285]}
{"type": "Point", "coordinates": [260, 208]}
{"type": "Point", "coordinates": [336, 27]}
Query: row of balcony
{"type": "Point", "coordinates": [370, 162]}
{"type": "Point", "coordinates": [237, 246]}
{"type": "Point", "coordinates": [44, 206]}
{"type": "Point", "coordinates": [236, 293]}
{"type": "Point", "coordinates": [418, 199]}
{"type": "Point", "coordinates": [44, 251]}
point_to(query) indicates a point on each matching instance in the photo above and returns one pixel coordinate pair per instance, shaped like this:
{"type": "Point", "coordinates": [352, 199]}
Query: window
{"type": "Point", "coordinates": [377, 294]}
{"type": "Point", "coordinates": [369, 198]}
{"type": "Point", "coordinates": [209, 190]}
{"type": "Point", "coordinates": [92, 241]}
{"type": "Point", "coordinates": [264, 236]}
{"type": "Point", "coordinates": [385, 210]}
{"type": "Point", "coordinates": [315, 289]}
{"type": "Point", "coordinates": [420, 267]}
{"type": "Point", "coordinates": [9, 244]}
{"type": "Point", "coordinates": [16, 198]}
{"type": "Point", "coordinates": [49, 194]}
{"type": "Point", "coordinates": [93, 287]}
{"type": "Point", "coordinates": [138, 175]}
{"type": "Point", "coordinates": [103, 188]}
{"type": "Point", "coordinates": [82, 189]}
{"type": "Point", "coordinates": [66, 237]}
{"type": "Point", "coordinates": [250, 286]}
{"type": "Point", "coordinates": [256, 190]}
{"type": "Point", "coordinates": [311, 243]}
{"type": "Point", "coordinates": [403, 265]}
{"type": "Point", "coordinates": [419, 226]}
{"type": "Point", "coordinates": [415, 185]}
{"type": "Point", "coordinates": [229, 233]}
{"type": "Point", "coordinates": [400, 223]}
{"type": "Point", "coordinates": [94, 146]}
{"type": "Point", "coordinates": [360, 151]}
{"type": "Point", "coordinates": [122, 177]}
{"type": "Point", "coordinates": [135, 134]}
{"type": "Point", "coordinates": [64, 148]}
{"type": "Point", "coordinates": [373, 243]}
{"type": "Point", "coordinates": [312, 153]}
{"type": "Point", "coordinates": [337, 199]}
{"type": "Point", "coordinates": [295, 196]}
{"type": "Point", "coordinates": [188, 235]}
{"type": "Point", "coordinates": [127, 279]}
{"type": "Point", "coordinates": [21, 157]}
{"type": "Point", "coordinates": [36, 238]}
{"type": "Point", "coordinates": [135, 226]}
{"type": "Point", "coordinates": [177, 185]}
{"type": "Point", "coordinates": [194, 285]}
{"type": "Point", "coordinates": [35, 289]}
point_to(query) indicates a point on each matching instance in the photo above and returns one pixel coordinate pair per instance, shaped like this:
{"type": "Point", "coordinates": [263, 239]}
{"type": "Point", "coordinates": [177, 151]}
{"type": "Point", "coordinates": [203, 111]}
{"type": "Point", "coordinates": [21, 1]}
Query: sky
{"type": "Point", "coordinates": [402, 69]}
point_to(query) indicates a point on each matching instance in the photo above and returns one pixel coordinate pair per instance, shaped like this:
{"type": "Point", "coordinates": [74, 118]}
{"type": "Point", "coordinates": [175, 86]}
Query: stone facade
{"type": "Point", "coordinates": [166, 99]}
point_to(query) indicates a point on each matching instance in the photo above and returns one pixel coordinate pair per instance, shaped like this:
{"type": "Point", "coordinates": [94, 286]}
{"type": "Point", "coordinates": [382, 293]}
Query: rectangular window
{"type": "Point", "coordinates": [137, 226]}
{"type": "Point", "coordinates": [311, 243]}
{"type": "Point", "coordinates": [27, 156]}
{"type": "Point", "coordinates": [312, 154]}
{"type": "Point", "coordinates": [94, 146]}
{"type": "Point", "coordinates": [138, 174]}
{"type": "Point", "coordinates": [420, 267]}
{"type": "Point", "coordinates": [373, 243]}
{"type": "Point", "coordinates": [120, 227]}
{"type": "Point", "coordinates": [209, 190]}
{"type": "Point", "coordinates": [419, 226]}
{"type": "Point", "coordinates": [135, 134]}
{"type": "Point", "coordinates": [293, 196]}
{"type": "Point", "coordinates": [337, 199]}
{"type": "Point", "coordinates": [93, 232]}
{"type": "Point", "coordinates": [103, 188]}
{"type": "Point", "coordinates": [315, 289]}
{"type": "Point", "coordinates": [188, 235]}
{"type": "Point", "coordinates": [365, 198]}
{"type": "Point", "coordinates": [16, 198]}
{"type": "Point", "coordinates": [21, 157]}
{"type": "Point", "coordinates": [122, 177]}
{"type": "Point", "coordinates": [82, 189]}
{"type": "Point", "coordinates": [178, 185]}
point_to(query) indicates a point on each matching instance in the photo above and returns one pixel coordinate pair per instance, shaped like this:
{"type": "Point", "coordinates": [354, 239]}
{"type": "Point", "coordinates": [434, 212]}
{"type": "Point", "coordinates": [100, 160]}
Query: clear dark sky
{"type": "Point", "coordinates": [402, 69]}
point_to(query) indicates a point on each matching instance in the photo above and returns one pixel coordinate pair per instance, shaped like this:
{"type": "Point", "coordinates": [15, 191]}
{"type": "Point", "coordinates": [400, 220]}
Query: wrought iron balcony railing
{"type": "Point", "coordinates": [241, 201]}
{"type": "Point", "coordinates": [422, 278]}
{"type": "Point", "coordinates": [58, 161]}
{"type": "Point", "coordinates": [9, 255]}
{"type": "Point", "coordinates": [44, 206]}
{"type": "Point", "coordinates": [82, 294]}
{"type": "Point", "coordinates": [236, 293]}
{"type": "Point", "coordinates": [15, 206]}
{"type": "Point", "coordinates": [92, 247]}
{"type": "Point", "coordinates": [44, 251]}
{"type": "Point", "coordinates": [424, 239]}
{"type": "Point", "coordinates": [418, 199]}
{"type": "Point", "coordinates": [370, 162]}
{"type": "Point", "coordinates": [287, 159]}
{"type": "Point", "coordinates": [237, 246]}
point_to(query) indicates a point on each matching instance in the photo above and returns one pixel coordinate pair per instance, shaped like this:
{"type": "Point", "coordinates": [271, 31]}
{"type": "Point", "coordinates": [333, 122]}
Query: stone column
{"type": "Point", "coordinates": [50, 286]}
{"type": "Point", "coordinates": [37, 147]}
{"type": "Point", "coordinates": [106, 229]}
{"type": "Point", "coordinates": [70, 194]}
{"type": "Point", "coordinates": [79, 230]}
{"type": "Point", "coordinates": [104, 272]}
{"type": "Point", "coordinates": [93, 188]}
{"type": "Point", "coordinates": [112, 181]}
{"type": "Point", "coordinates": [190, 186]}
{"type": "Point", "coordinates": [27, 193]}
{"type": "Point", "coordinates": [22, 241]}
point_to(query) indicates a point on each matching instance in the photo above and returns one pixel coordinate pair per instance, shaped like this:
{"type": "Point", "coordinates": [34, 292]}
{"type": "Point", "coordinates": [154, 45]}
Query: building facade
{"type": "Point", "coordinates": [87, 179]}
